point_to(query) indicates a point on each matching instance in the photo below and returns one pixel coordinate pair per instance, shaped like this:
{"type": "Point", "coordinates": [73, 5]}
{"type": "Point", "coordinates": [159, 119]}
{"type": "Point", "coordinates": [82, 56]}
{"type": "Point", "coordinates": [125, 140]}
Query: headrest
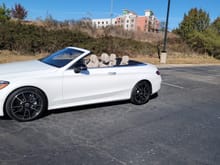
{"type": "Point", "coordinates": [104, 57]}
{"type": "Point", "coordinates": [112, 56]}
{"type": "Point", "coordinates": [93, 58]}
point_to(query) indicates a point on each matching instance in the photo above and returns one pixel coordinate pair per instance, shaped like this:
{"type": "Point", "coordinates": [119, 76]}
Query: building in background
{"type": "Point", "coordinates": [129, 20]}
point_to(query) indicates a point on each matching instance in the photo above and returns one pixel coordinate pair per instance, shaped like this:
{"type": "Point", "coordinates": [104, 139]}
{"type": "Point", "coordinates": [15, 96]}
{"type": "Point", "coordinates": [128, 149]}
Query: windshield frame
{"type": "Point", "coordinates": [62, 57]}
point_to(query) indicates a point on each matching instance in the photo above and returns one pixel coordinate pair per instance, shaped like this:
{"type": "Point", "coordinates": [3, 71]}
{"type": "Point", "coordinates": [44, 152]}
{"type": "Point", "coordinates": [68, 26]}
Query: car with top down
{"type": "Point", "coordinates": [73, 77]}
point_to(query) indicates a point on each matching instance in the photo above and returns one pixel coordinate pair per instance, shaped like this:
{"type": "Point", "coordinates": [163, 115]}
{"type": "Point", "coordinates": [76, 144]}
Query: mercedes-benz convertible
{"type": "Point", "coordinates": [72, 77]}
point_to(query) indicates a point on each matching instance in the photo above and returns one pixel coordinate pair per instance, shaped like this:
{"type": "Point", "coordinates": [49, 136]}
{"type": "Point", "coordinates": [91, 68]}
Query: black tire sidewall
{"type": "Point", "coordinates": [133, 93]}
{"type": "Point", "coordinates": [28, 89]}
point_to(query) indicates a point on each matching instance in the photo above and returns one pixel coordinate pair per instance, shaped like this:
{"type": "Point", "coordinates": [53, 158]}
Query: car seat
{"type": "Point", "coordinates": [124, 60]}
{"type": "Point", "coordinates": [104, 60]}
{"type": "Point", "coordinates": [93, 61]}
{"type": "Point", "coordinates": [112, 60]}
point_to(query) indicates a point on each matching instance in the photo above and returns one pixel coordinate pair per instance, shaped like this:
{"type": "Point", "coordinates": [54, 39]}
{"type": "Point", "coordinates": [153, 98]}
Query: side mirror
{"type": "Point", "coordinates": [79, 68]}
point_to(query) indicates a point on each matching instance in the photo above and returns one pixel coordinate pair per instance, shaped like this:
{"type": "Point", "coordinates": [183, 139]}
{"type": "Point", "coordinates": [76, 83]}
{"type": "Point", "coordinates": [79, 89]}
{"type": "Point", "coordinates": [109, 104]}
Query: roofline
{"type": "Point", "coordinates": [129, 11]}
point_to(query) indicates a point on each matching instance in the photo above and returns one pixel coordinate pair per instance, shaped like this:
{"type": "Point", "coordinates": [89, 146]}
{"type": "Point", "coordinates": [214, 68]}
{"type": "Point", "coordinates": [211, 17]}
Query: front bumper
{"type": "Point", "coordinates": [1, 107]}
{"type": "Point", "coordinates": [3, 95]}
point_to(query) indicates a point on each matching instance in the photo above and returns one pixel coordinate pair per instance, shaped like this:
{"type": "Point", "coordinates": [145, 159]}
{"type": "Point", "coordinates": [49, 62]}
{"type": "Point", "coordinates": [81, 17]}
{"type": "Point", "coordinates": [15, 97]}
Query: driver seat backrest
{"type": "Point", "coordinates": [124, 60]}
{"type": "Point", "coordinates": [112, 60]}
{"type": "Point", "coordinates": [104, 60]}
{"type": "Point", "coordinates": [93, 61]}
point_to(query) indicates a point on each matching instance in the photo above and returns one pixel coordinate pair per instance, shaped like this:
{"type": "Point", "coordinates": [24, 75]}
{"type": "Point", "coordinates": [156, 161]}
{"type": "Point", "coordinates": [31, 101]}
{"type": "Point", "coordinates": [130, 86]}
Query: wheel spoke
{"type": "Point", "coordinates": [139, 89]}
{"type": "Point", "coordinates": [17, 110]}
{"type": "Point", "coordinates": [27, 111]}
{"type": "Point", "coordinates": [21, 101]}
{"type": "Point", "coordinates": [36, 110]}
{"type": "Point", "coordinates": [16, 106]}
{"type": "Point", "coordinates": [24, 97]}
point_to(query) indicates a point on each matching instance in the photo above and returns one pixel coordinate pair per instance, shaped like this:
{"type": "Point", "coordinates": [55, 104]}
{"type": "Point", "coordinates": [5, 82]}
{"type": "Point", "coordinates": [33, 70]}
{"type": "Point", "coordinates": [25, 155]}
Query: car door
{"type": "Point", "coordinates": [90, 86]}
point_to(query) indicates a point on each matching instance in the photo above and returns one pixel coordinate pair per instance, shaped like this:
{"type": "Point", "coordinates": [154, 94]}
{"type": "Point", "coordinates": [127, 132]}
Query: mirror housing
{"type": "Point", "coordinates": [78, 69]}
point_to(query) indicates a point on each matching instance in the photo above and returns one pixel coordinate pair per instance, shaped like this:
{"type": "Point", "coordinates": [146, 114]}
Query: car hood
{"type": "Point", "coordinates": [23, 68]}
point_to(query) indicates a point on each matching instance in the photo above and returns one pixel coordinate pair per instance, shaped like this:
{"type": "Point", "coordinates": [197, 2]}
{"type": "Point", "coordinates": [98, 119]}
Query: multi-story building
{"type": "Point", "coordinates": [129, 20]}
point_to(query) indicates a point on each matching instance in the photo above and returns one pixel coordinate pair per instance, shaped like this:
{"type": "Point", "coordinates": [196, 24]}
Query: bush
{"type": "Point", "coordinates": [35, 39]}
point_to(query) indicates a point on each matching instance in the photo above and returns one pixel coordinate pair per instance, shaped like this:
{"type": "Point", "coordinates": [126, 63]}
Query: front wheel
{"type": "Point", "coordinates": [25, 104]}
{"type": "Point", "coordinates": [141, 93]}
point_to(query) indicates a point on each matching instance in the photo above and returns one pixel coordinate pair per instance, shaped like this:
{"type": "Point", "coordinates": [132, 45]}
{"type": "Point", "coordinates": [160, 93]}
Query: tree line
{"type": "Point", "coordinates": [200, 33]}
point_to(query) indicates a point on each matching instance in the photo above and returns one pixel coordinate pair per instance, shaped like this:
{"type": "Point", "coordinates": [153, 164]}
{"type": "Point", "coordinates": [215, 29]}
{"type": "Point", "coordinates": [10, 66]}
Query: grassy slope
{"type": "Point", "coordinates": [9, 56]}
{"type": "Point", "coordinates": [122, 43]}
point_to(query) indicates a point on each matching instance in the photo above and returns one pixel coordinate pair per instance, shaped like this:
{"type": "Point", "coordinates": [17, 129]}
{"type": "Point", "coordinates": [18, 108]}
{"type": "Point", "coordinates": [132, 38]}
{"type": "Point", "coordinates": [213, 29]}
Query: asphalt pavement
{"type": "Point", "coordinates": [181, 126]}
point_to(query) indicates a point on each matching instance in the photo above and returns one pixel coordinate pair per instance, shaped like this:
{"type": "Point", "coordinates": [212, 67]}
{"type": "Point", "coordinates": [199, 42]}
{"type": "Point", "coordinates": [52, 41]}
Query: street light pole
{"type": "Point", "coordinates": [166, 28]}
{"type": "Point", "coordinates": [164, 52]}
{"type": "Point", "coordinates": [111, 10]}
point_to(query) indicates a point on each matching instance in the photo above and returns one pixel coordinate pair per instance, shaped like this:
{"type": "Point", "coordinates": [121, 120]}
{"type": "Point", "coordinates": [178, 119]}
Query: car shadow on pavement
{"type": "Point", "coordinates": [92, 106]}
{"type": "Point", "coordinates": [4, 118]}
{"type": "Point", "coordinates": [84, 107]}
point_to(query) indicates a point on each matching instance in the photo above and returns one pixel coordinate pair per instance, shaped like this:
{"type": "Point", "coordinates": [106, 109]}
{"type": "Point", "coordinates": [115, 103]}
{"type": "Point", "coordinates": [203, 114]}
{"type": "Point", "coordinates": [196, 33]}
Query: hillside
{"type": "Point", "coordinates": [40, 37]}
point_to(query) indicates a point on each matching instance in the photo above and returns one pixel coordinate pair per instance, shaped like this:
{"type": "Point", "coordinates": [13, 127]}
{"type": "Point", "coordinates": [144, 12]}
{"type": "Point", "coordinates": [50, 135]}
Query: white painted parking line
{"type": "Point", "coordinates": [172, 85]}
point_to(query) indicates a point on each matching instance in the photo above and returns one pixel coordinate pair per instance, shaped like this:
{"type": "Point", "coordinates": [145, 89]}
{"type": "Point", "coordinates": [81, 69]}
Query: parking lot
{"type": "Point", "coordinates": [181, 126]}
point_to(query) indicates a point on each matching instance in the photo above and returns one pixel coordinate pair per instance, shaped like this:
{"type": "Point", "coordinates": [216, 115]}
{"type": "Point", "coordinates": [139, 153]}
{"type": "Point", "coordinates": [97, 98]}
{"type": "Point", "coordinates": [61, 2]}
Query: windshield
{"type": "Point", "coordinates": [61, 57]}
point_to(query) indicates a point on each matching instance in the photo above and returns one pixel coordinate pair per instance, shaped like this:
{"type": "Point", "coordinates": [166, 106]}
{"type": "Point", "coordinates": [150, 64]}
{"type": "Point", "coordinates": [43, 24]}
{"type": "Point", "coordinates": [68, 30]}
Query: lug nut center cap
{"type": "Point", "coordinates": [27, 105]}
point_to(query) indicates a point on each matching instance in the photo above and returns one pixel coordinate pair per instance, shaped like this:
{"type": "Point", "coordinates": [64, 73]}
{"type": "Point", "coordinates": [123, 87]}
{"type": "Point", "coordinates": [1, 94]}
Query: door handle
{"type": "Point", "coordinates": [112, 73]}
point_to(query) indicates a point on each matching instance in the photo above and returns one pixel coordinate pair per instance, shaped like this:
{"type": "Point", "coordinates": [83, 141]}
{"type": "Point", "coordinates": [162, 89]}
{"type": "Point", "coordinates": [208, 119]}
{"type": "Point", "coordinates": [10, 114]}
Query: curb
{"type": "Point", "coordinates": [183, 65]}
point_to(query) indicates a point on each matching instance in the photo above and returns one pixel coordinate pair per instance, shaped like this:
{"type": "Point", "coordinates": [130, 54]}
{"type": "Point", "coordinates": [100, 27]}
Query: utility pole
{"type": "Point", "coordinates": [111, 11]}
{"type": "Point", "coordinates": [163, 57]}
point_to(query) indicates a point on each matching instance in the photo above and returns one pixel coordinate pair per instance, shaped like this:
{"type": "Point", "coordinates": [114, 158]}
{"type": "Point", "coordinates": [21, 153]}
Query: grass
{"type": "Point", "coordinates": [12, 56]}
{"type": "Point", "coordinates": [180, 59]}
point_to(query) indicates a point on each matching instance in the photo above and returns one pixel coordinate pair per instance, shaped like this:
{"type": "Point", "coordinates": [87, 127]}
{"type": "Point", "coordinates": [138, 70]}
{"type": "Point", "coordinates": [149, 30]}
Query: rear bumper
{"type": "Point", "coordinates": [156, 85]}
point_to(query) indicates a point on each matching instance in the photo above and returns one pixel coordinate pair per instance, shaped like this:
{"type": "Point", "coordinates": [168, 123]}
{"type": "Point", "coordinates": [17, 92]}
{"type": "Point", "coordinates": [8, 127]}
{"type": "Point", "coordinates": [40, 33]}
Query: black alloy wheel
{"type": "Point", "coordinates": [25, 104]}
{"type": "Point", "coordinates": [141, 93]}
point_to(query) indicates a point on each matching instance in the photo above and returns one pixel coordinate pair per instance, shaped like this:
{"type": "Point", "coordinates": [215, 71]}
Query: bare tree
{"type": "Point", "coordinates": [19, 12]}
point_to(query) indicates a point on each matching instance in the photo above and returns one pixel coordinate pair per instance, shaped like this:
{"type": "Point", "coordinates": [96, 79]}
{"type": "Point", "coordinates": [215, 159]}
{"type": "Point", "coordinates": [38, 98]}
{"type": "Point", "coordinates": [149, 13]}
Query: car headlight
{"type": "Point", "coordinates": [3, 84]}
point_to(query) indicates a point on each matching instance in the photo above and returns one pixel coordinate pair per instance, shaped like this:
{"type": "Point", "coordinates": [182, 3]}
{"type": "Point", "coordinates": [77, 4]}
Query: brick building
{"type": "Point", "coordinates": [129, 20]}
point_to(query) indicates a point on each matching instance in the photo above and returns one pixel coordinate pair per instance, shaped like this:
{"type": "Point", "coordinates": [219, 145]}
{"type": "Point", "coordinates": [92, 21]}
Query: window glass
{"type": "Point", "coordinates": [62, 57]}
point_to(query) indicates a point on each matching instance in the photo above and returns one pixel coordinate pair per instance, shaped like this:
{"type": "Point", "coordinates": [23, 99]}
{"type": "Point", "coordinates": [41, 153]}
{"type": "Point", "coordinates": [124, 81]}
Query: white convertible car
{"type": "Point", "coordinates": [72, 77]}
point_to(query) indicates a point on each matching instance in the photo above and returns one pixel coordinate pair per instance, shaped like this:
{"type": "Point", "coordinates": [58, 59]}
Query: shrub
{"type": "Point", "coordinates": [35, 39]}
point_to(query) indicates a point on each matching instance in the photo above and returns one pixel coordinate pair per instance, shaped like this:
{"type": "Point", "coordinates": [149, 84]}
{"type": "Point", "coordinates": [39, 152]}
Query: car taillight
{"type": "Point", "coordinates": [158, 72]}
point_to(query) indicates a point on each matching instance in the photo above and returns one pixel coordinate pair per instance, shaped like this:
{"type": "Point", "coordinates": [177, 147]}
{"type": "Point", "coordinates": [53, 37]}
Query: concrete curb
{"type": "Point", "coordinates": [183, 65]}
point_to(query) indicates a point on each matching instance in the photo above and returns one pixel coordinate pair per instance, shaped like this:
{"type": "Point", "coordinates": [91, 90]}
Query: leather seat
{"type": "Point", "coordinates": [93, 61]}
{"type": "Point", "coordinates": [124, 60]}
{"type": "Point", "coordinates": [112, 60]}
{"type": "Point", "coordinates": [104, 60]}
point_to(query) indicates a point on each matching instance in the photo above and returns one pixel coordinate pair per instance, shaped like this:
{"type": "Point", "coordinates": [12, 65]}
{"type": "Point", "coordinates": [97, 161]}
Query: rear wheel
{"type": "Point", "coordinates": [25, 104]}
{"type": "Point", "coordinates": [141, 93]}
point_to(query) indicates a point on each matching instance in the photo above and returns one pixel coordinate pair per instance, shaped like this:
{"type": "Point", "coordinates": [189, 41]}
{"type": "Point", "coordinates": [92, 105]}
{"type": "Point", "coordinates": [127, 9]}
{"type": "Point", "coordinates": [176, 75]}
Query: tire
{"type": "Point", "coordinates": [26, 104]}
{"type": "Point", "coordinates": [141, 93]}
